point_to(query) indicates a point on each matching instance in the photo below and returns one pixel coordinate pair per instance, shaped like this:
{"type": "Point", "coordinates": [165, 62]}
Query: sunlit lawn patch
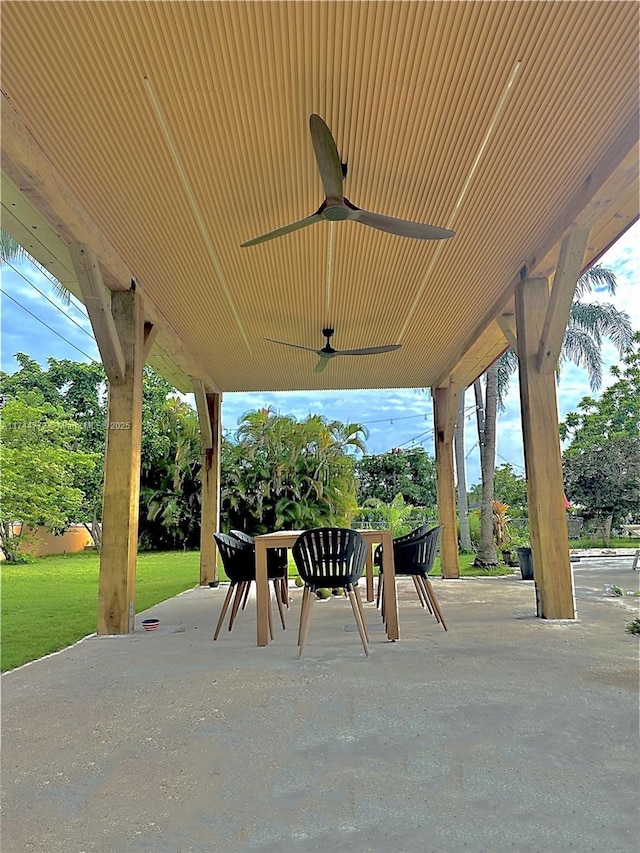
{"type": "Point", "coordinates": [53, 602]}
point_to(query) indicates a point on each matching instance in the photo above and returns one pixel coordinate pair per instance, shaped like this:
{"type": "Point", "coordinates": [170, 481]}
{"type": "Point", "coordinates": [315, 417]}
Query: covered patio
{"type": "Point", "coordinates": [144, 143]}
{"type": "Point", "coordinates": [506, 733]}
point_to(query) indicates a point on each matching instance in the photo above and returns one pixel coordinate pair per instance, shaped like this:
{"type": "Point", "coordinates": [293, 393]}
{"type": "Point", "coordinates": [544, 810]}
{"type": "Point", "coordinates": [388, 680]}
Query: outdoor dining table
{"type": "Point", "coordinates": [287, 538]}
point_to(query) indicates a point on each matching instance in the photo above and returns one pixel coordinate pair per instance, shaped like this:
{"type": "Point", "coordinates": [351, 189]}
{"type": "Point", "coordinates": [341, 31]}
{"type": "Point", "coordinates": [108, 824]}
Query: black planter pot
{"type": "Point", "coordinates": [525, 561]}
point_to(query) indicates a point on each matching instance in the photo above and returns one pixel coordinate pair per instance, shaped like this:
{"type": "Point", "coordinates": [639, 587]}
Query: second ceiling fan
{"type": "Point", "coordinates": [328, 352]}
{"type": "Point", "coordinates": [335, 206]}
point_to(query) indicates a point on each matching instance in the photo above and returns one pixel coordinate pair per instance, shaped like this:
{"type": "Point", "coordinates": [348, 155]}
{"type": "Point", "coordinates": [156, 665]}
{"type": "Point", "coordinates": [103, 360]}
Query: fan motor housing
{"type": "Point", "coordinates": [336, 213]}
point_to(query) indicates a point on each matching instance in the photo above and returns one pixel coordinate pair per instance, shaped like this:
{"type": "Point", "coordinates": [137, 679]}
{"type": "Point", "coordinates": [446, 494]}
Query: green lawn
{"type": "Point", "coordinates": [614, 542]}
{"type": "Point", "coordinates": [51, 603]}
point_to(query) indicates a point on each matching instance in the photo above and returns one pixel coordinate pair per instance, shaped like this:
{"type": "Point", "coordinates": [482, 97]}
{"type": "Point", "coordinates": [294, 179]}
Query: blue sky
{"type": "Point", "coordinates": [394, 418]}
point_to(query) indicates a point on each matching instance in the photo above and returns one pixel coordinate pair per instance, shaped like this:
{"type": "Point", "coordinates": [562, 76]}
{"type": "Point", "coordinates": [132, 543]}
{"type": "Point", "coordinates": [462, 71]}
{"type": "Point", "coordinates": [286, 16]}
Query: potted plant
{"type": "Point", "coordinates": [505, 540]}
{"type": "Point", "coordinates": [525, 561]}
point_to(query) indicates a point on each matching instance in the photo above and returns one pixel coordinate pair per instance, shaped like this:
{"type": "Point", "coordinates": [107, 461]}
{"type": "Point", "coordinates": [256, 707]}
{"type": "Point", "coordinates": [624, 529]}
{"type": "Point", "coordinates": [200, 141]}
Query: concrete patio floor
{"type": "Point", "coordinates": [508, 733]}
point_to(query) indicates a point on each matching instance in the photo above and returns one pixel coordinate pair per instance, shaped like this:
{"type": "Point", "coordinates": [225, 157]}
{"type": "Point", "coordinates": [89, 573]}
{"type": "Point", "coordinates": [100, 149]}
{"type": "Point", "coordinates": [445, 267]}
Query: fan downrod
{"type": "Point", "coordinates": [328, 334]}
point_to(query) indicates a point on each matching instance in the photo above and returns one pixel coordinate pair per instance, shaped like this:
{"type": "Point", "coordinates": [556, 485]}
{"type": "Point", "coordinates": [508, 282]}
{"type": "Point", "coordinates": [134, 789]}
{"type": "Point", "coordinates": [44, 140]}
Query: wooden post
{"type": "Point", "coordinates": [547, 514]}
{"type": "Point", "coordinates": [445, 400]}
{"type": "Point", "coordinates": [208, 406]}
{"type": "Point", "coordinates": [119, 552]}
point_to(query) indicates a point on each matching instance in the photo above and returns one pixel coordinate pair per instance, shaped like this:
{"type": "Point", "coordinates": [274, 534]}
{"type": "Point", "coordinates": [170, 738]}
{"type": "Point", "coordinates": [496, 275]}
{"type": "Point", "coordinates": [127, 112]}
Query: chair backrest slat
{"type": "Point", "coordinates": [237, 558]}
{"type": "Point", "coordinates": [418, 555]}
{"type": "Point", "coordinates": [241, 536]}
{"type": "Point", "coordinates": [330, 556]}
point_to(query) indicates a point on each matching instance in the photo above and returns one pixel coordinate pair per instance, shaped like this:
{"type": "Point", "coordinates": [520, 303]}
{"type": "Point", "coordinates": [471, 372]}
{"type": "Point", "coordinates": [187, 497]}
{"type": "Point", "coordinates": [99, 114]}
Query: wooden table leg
{"type": "Point", "coordinates": [262, 594]}
{"type": "Point", "coordinates": [389, 587]}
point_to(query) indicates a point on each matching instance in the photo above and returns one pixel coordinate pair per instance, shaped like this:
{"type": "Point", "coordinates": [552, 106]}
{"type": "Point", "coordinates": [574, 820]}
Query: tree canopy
{"type": "Point", "coordinates": [42, 467]}
{"type": "Point", "coordinates": [170, 458]}
{"type": "Point", "coordinates": [409, 473]}
{"type": "Point", "coordinates": [602, 459]}
{"type": "Point", "coordinates": [279, 473]}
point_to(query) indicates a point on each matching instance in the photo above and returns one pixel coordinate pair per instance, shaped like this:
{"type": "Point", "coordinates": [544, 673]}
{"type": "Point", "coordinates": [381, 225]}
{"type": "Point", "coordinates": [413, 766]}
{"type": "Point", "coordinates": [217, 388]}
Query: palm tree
{"type": "Point", "coordinates": [589, 323]}
{"type": "Point", "coordinates": [11, 250]}
{"type": "Point", "coordinates": [289, 474]}
{"type": "Point", "coordinates": [461, 478]}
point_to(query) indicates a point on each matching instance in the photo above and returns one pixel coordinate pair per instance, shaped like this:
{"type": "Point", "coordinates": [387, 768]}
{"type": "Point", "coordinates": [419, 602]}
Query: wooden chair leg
{"type": "Point", "coordinates": [246, 595]}
{"type": "Point", "coordinates": [225, 607]}
{"type": "Point", "coordinates": [277, 588]}
{"type": "Point", "coordinates": [419, 579]}
{"type": "Point", "coordinates": [434, 601]}
{"type": "Point", "coordinates": [240, 589]}
{"type": "Point", "coordinates": [305, 595]}
{"type": "Point", "coordinates": [285, 591]}
{"type": "Point", "coordinates": [359, 622]}
{"type": "Point", "coordinates": [305, 622]}
{"type": "Point", "coordinates": [359, 602]}
{"type": "Point", "coordinates": [423, 595]}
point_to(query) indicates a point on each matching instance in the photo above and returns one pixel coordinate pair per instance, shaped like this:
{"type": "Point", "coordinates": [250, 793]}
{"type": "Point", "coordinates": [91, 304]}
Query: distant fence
{"type": "Point", "coordinates": [374, 519]}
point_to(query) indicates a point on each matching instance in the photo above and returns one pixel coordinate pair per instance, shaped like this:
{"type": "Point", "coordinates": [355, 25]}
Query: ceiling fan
{"type": "Point", "coordinates": [328, 352]}
{"type": "Point", "coordinates": [336, 206]}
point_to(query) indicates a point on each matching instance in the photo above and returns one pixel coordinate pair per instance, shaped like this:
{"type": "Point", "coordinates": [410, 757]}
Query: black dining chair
{"type": "Point", "coordinates": [398, 540]}
{"type": "Point", "coordinates": [330, 558]}
{"type": "Point", "coordinates": [277, 569]}
{"type": "Point", "coordinates": [238, 559]}
{"type": "Point", "coordinates": [414, 557]}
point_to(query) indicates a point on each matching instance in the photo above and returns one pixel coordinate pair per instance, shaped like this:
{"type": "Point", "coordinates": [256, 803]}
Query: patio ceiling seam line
{"type": "Point", "coordinates": [194, 207]}
{"type": "Point", "coordinates": [329, 270]}
{"type": "Point", "coordinates": [465, 188]}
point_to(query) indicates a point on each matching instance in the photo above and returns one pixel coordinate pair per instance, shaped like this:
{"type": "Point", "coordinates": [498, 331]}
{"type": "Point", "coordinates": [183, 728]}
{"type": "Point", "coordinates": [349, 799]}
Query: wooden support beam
{"type": "Point", "coordinates": [94, 296]}
{"type": "Point", "coordinates": [559, 304]}
{"type": "Point", "coordinates": [507, 323]}
{"type": "Point", "coordinates": [445, 404]}
{"type": "Point", "coordinates": [150, 334]}
{"type": "Point", "coordinates": [545, 495]}
{"type": "Point", "coordinates": [116, 595]}
{"type": "Point", "coordinates": [210, 476]}
{"type": "Point", "coordinates": [202, 408]}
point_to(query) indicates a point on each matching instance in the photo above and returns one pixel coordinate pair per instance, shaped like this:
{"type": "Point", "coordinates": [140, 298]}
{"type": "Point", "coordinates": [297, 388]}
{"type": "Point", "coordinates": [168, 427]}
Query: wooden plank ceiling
{"type": "Point", "coordinates": [181, 129]}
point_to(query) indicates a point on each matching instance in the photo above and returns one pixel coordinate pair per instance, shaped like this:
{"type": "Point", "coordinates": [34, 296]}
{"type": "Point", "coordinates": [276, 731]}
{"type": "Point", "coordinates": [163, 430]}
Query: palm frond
{"type": "Point", "coordinates": [580, 347]}
{"type": "Point", "coordinates": [11, 250]}
{"type": "Point", "coordinates": [602, 320]}
{"type": "Point", "coordinates": [507, 366]}
{"type": "Point", "coordinates": [596, 278]}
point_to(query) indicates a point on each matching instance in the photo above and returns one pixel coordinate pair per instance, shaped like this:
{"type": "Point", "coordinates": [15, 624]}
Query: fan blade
{"type": "Point", "coordinates": [296, 346]}
{"type": "Point", "coordinates": [401, 227]}
{"type": "Point", "coordinates": [324, 361]}
{"type": "Point", "coordinates": [286, 229]}
{"type": "Point", "coordinates": [368, 350]}
{"type": "Point", "coordinates": [329, 163]}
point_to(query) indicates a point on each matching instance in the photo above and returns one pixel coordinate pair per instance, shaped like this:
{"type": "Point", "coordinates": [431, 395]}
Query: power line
{"type": "Point", "coordinates": [509, 462]}
{"type": "Point", "coordinates": [90, 357]}
{"type": "Point", "coordinates": [50, 301]}
{"type": "Point", "coordinates": [74, 302]}
{"type": "Point", "coordinates": [391, 420]}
